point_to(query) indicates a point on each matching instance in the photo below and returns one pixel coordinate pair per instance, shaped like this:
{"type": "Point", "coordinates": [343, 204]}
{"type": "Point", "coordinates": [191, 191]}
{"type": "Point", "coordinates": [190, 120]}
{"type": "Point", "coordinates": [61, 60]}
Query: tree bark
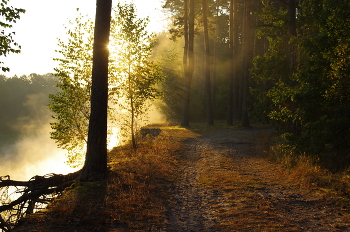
{"type": "Point", "coordinates": [247, 58]}
{"type": "Point", "coordinates": [188, 73]}
{"type": "Point", "coordinates": [95, 166]}
{"type": "Point", "coordinates": [210, 118]}
{"type": "Point", "coordinates": [292, 33]}
{"type": "Point", "coordinates": [185, 55]}
{"type": "Point", "coordinates": [237, 60]}
{"type": "Point", "coordinates": [230, 104]}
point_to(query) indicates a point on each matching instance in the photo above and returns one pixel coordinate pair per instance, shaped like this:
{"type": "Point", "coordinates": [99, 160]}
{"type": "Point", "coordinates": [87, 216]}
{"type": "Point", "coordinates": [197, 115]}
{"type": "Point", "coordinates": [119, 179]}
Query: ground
{"type": "Point", "coordinates": [228, 185]}
{"type": "Point", "coordinates": [215, 180]}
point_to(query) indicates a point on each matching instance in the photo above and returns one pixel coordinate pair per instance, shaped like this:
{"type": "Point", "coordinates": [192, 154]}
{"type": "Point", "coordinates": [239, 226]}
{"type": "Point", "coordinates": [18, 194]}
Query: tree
{"type": "Point", "coordinates": [96, 156]}
{"type": "Point", "coordinates": [188, 64]}
{"type": "Point", "coordinates": [273, 66]}
{"type": "Point", "coordinates": [208, 95]}
{"type": "Point", "coordinates": [230, 106]}
{"type": "Point", "coordinates": [7, 44]}
{"type": "Point", "coordinates": [71, 104]}
{"type": "Point", "coordinates": [303, 76]}
{"type": "Point", "coordinates": [248, 38]}
{"type": "Point", "coordinates": [41, 189]}
{"type": "Point", "coordinates": [321, 93]}
{"type": "Point", "coordinates": [130, 47]}
{"type": "Point", "coordinates": [137, 74]}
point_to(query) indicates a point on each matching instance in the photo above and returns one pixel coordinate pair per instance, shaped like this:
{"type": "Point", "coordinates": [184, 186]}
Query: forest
{"type": "Point", "coordinates": [281, 64]}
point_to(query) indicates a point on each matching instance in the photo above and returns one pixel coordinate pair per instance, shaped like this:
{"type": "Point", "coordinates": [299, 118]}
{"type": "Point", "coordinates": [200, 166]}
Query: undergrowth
{"type": "Point", "coordinates": [309, 172]}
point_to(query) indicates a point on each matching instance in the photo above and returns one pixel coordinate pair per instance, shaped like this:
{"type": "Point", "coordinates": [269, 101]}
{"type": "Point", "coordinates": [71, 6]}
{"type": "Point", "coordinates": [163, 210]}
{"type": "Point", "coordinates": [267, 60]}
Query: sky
{"type": "Point", "coordinates": [38, 29]}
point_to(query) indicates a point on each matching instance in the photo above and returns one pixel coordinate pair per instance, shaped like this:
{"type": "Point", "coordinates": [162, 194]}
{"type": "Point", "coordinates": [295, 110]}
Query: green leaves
{"type": "Point", "coordinates": [71, 105]}
{"type": "Point", "coordinates": [314, 95]}
{"type": "Point", "coordinates": [137, 75]}
{"type": "Point", "coordinates": [132, 79]}
{"type": "Point", "coordinates": [7, 44]}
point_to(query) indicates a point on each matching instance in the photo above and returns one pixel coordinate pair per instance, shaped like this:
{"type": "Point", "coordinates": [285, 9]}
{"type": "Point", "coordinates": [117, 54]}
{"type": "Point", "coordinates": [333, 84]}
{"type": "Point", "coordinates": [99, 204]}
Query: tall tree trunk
{"type": "Point", "coordinates": [95, 166]}
{"type": "Point", "coordinates": [237, 84]}
{"type": "Point", "coordinates": [185, 116]}
{"type": "Point", "coordinates": [214, 60]}
{"type": "Point", "coordinates": [185, 55]}
{"type": "Point", "coordinates": [292, 33]}
{"type": "Point", "coordinates": [247, 59]}
{"type": "Point", "coordinates": [210, 118]}
{"type": "Point", "coordinates": [230, 105]}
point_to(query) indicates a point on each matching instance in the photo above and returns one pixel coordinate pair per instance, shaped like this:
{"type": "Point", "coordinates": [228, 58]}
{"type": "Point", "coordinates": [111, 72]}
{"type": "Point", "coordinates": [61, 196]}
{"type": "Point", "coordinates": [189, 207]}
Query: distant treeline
{"type": "Point", "coordinates": [14, 93]}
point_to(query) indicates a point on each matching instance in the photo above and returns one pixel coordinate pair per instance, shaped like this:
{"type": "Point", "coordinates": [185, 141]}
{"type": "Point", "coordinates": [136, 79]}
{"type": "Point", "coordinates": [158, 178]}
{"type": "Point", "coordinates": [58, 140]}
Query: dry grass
{"type": "Point", "coordinates": [131, 199]}
{"type": "Point", "coordinates": [309, 173]}
{"type": "Point", "coordinates": [134, 198]}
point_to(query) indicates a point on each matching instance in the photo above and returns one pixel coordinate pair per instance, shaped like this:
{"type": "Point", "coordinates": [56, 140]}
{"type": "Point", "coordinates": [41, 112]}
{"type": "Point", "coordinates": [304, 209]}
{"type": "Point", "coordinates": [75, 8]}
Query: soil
{"type": "Point", "coordinates": [226, 184]}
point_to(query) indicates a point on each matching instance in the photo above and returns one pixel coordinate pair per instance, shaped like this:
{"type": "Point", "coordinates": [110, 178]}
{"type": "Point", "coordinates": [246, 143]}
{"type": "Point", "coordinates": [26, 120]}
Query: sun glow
{"type": "Point", "coordinates": [113, 138]}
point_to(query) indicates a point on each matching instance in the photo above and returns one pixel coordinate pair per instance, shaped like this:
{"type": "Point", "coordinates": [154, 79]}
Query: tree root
{"type": "Point", "coordinates": [21, 198]}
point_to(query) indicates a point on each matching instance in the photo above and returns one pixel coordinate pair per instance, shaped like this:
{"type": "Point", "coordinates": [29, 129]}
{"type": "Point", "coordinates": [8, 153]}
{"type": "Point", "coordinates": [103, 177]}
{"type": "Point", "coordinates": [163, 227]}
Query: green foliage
{"type": "Point", "coordinates": [313, 96]}
{"type": "Point", "coordinates": [137, 74]}
{"type": "Point", "coordinates": [132, 78]}
{"type": "Point", "coordinates": [71, 105]}
{"type": "Point", "coordinates": [323, 78]}
{"type": "Point", "coordinates": [272, 92]}
{"type": "Point", "coordinates": [9, 15]}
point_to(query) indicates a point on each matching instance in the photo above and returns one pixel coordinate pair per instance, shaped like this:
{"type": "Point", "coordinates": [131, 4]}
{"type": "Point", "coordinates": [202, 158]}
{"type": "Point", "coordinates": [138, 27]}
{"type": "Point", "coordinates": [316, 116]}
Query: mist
{"type": "Point", "coordinates": [33, 153]}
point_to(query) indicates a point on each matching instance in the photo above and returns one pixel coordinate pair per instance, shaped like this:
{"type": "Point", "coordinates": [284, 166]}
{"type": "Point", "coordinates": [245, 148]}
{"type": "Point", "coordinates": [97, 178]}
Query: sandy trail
{"type": "Point", "coordinates": [226, 185]}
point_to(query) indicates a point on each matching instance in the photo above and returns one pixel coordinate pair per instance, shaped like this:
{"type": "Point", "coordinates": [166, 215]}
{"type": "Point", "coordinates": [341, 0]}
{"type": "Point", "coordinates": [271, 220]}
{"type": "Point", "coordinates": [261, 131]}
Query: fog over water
{"type": "Point", "coordinates": [34, 153]}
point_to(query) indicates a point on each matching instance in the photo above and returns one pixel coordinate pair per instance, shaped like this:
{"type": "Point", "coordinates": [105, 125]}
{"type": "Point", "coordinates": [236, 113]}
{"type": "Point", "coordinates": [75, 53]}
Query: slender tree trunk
{"type": "Point", "coordinates": [237, 85]}
{"type": "Point", "coordinates": [247, 55]}
{"type": "Point", "coordinates": [132, 108]}
{"type": "Point", "coordinates": [214, 76]}
{"type": "Point", "coordinates": [292, 33]}
{"type": "Point", "coordinates": [185, 116]}
{"type": "Point", "coordinates": [95, 166]}
{"type": "Point", "coordinates": [231, 75]}
{"type": "Point", "coordinates": [210, 118]}
{"type": "Point", "coordinates": [185, 55]}
{"type": "Point", "coordinates": [213, 70]}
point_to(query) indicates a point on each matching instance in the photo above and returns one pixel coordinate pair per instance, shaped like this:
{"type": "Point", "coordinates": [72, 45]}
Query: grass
{"type": "Point", "coordinates": [131, 199]}
{"type": "Point", "coordinates": [134, 195]}
{"type": "Point", "coordinates": [308, 172]}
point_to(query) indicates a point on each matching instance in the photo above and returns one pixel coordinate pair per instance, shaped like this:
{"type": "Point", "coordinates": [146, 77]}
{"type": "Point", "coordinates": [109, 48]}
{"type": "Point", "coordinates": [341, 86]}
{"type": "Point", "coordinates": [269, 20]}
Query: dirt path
{"type": "Point", "coordinates": [225, 185]}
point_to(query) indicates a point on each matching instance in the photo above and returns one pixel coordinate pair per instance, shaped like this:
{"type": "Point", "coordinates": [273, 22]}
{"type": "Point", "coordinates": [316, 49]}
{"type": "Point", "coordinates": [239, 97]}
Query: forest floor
{"type": "Point", "coordinates": [219, 180]}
